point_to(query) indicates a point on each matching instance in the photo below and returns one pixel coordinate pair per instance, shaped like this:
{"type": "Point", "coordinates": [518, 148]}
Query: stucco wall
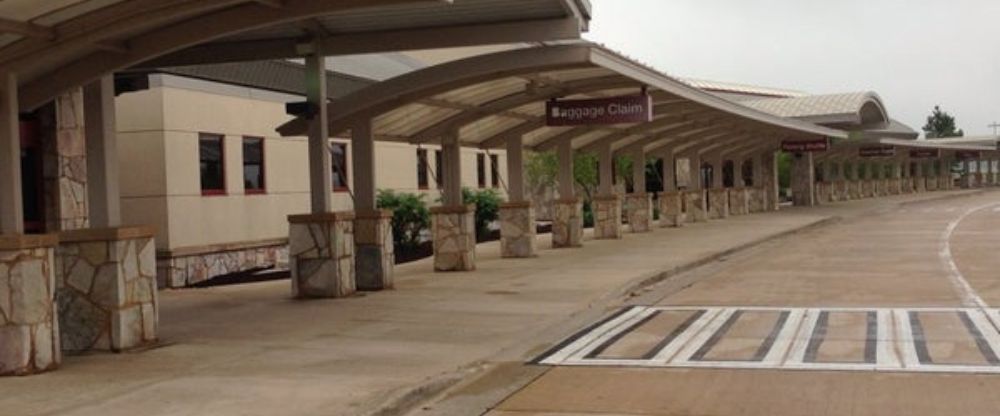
{"type": "Point", "coordinates": [159, 131]}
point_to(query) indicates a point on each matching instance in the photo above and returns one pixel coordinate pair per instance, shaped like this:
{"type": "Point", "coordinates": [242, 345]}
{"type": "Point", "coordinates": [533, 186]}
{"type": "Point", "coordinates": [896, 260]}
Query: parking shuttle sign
{"type": "Point", "coordinates": [612, 110]}
{"type": "Point", "coordinates": [800, 146]}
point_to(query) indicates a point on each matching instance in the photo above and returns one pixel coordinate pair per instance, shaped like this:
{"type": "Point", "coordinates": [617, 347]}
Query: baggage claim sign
{"type": "Point", "coordinates": [612, 110]}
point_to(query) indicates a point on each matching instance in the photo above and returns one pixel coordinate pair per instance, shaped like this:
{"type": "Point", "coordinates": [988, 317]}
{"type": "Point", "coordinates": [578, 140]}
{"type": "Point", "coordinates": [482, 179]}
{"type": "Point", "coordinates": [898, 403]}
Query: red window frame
{"type": "Point", "coordinates": [222, 163]}
{"type": "Point", "coordinates": [263, 167]}
{"type": "Point", "coordinates": [344, 170]}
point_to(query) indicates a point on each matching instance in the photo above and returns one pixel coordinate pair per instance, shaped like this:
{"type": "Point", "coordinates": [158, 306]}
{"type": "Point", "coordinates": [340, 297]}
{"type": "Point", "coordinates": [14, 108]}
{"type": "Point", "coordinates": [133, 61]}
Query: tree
{"type": "Point", "coordinates": [940, 124]}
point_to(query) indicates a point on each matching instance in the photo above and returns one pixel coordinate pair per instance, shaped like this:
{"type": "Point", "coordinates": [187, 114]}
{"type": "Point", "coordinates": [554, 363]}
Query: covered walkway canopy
{"type": "Point", "coordinates": [486, 100]}
{"type": "Point", "coordinates": [55, 45]}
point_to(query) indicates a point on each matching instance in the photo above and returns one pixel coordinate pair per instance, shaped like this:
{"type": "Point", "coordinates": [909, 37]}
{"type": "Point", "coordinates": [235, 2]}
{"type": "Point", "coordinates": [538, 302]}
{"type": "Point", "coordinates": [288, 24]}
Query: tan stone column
{"type": "Point", "coordinates": [671, 200]}
{"type": "Point", "coordinates": [453, 225]}
{"type": "Point", "coordinates": [374, 251]}
{"type": "Point", "coordinates": [11, 208]}
{"type": "Point", "coordinates": [104, 197]}
{"type": "Point", "coordinates": [803, 180]}
{"type": "Point", "coordinates": [640, 203]}
{"type": "Point", "coordinates": [606, 205]}
{"type": "Point", "coordinates": [517, 215]}
{"type": "Point", "coordinates": [718, 195]}
{"type": "Point", "coordinates": [29, 336]}
{"type": "Point", "coordinates": [769, 175]}
{"type": "Point", "coordinates": [567, 221]}
{"type": "Point", "coordinates": [695, 193]}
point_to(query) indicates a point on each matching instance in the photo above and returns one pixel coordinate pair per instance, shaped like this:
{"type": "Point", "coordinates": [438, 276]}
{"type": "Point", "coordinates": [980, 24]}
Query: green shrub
{"type": "Point", "coordinates": [410, 216]}
{"type": "Point", "coordinates": [588, 215]}
{"type": "Point", "coordinates": [487, 203]}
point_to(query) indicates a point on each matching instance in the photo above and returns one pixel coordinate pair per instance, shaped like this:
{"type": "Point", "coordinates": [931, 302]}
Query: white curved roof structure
{"type": "Point", "coordinates": [54, 45]}
{"type": "Point", "coordinates": [851, 109]}
{"type": "Point", "coordinates": [489, 98]}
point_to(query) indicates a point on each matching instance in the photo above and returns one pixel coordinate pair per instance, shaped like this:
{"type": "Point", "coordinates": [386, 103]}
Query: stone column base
{"type": "Point", "coordinates": [931, 184]}
{"type": "Point", "coordinates": [374, 250]}
{"type": "Point", "coordinates": [607, 217]}
{"type": "Point", "coordinates": [517, 230]}
{"type": "Point", "coordinates": [640, 212]}
{"type": "Point", "coordinates": [718, 204]}
{"type": "Point", "coordinates": [695, 204]}
{"type": "Point", "coordinates": [454, 231]}
{"type": "Point", "coordinates": [757, 201]}
{"type": "Point", "coordinates": [944, 183]}
{"type": "Point", "coordinates": [29, 324]}
{"type": "Point", "coordinates": [321, 255]}
{"type": "Point", "coordinates": [567, 223]}
{"type": "Point", "coordinates": [739, 201]}
{"type": "Point", "coordinates": [106, 289]}
{"type": "Point", "coordinates": [672, 209]}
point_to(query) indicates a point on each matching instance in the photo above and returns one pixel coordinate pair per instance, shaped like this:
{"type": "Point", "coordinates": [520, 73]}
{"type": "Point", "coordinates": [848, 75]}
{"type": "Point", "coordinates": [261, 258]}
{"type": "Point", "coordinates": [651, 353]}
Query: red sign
{"type": "Point", "coordinates": [613, 110]}
{"type": "Point", "coordinates": [799, 146]}
{"type": "Point", "coordinates": [879, 151]}
{"type": "Point", "coordinates": [924, 153]}
{"type": "Point", "coordinates": [967, 155]}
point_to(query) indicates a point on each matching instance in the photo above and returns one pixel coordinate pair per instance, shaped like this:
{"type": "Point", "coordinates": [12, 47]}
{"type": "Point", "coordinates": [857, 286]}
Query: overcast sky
{"type": "Point", "coordinates": [913, 53]}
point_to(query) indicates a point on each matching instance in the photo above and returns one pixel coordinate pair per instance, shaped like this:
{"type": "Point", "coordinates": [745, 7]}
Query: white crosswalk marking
{"type": "Point", "coordinates": [884, 339]}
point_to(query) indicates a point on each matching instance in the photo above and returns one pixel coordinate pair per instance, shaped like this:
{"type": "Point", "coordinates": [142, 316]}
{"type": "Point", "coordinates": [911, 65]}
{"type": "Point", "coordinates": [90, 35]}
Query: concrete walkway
{"type": "Point", "coordinates": [251, 350]}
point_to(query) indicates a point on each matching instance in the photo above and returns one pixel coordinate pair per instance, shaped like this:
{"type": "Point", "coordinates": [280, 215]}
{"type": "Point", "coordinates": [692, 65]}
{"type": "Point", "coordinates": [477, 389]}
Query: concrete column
{"type": "Point", "coordinates": [363, 162]}
{"type": "Point", "coordinates": [803, 180]}
{"type": "Point", "coordinates": [671, 200]}
{"type": "Point", "coordinates": [517, 215]}
{"type": "Point", "coordinates": [567, 213]}
{"type": "Point", "coordinates": [320, 160]}
{"type": "Point", "coordinates": [515, 169]}
{"type": "Point", "coordinates": [669, 172]}
{"type": "Point", "coordinates": [919, 184]}
{"type": "Point", "coordinates": [717, 195]}
{"type": "Point", "coordinates": [11, 208]}
{"type": "Point", "coordinates": [102, 153]}
{"type": "Point", "coordinates": [451, 158]}
{"type": "Point", "coordinates": [769, 177]}
{"type": "Point", "coordinates": [607, 206]}
{"type": "Point", "coordinates": [640, 204]}
{"type": "Point", "coordinates": [695, 201]}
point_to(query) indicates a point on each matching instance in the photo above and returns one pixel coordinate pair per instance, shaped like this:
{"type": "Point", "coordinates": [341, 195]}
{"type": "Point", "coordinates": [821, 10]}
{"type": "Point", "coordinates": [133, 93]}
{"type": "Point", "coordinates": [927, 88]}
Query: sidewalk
{"type": "Point", "coordinates": [251, 350]}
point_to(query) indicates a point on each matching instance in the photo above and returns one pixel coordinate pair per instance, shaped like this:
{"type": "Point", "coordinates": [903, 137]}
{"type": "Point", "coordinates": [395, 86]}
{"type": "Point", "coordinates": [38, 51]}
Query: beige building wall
{"type": "Point", "coordinates": [160, 128]}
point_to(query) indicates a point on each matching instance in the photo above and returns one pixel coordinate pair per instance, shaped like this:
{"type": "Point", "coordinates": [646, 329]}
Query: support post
{"type": "Point", "coordinates": [320, 159]}
{"type": "Point", "coordinates": [717, 194]}
{"type": "Point", "coordinates": [803, 180]}
{"type": "Point", "coordinates": [695, 194]}
{"type": "Point", "coordinates": [517, 215]}
{"type": "Point", "coordinates": [102, 153]}
{"type": "Point", "coordinates": [11, 208]}
{"type": "Point", "coordinates": [453, 225]}
{"type": "Point", "coordinates": [671, 200]}
{"type": "Point", "coordinates": [374, 254]}
{"type": "Point", "coordinates": [567, 221]}
{"type": "Point", "coordinates": [607, 206]}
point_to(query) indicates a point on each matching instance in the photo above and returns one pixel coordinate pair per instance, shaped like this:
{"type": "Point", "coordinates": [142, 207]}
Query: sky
{"type": "Point", "coordinates": [914, 53]}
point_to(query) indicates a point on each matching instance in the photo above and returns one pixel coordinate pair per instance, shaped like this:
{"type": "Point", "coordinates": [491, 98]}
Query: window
{"type": "Point", "coordinates": [439, 172]}
{"type": "Point", "coordinates": [495, 170]}
{"type": "Point", "coordinates": [253, 165]}
{"type": "Point", "coordinates": [481, 169]}
{"type": "Point", "coordinates": [212, 158]}
{"type": "Point", "coordinates": [422, 174]}
{"type": "Point", "coordinates": [338, 151]}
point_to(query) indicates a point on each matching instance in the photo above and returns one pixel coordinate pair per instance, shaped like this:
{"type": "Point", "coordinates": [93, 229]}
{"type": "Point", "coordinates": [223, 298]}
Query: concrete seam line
{"type": "Point", "coordinates": [413, 397]}
{"type": "Point", "coordinates": [957, 194]}
{"type": "Point", "coordinates": [968, 294]}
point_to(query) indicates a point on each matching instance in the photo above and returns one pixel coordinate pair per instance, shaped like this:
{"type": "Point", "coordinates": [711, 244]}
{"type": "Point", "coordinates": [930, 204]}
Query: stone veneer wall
{"type": "Point", "coordinates": [944, 182]}
{"type": "Point", "coordinates": [186, 270]}
{"type": "Point", "coordinates": [868, 188]}
{"type": "Point", "coordinates": [517, 230]}
{"type": "Point", "coordinates": [567, 223]}
{"type": "Point", "coordinates": [454, 233]}
{"type": "Point", "coordinates": [739, 201]}
{"type": "Point", "coordinates": [321, 251]}
{"type": "Point", "coordinates": [374, 250]}
{"type": "Point", "coordinates": [672, 209]}
{"type": "Point", "coordinates": [719, 203]}
{"type": "Point", "coordinates": [640, 212]}
{"type": "Point", "coordinates": [695, 205]}
{"type": "Point", "coordinates": [757, 200]}
{"type": "Point", "coordinates": [931, 183]}
{"type": "Point", "coordinates": [106, 289]}
{"type": "Point", "coordinates": [607, 217]}
{"type": "Point", "coordinates": [29, 325]}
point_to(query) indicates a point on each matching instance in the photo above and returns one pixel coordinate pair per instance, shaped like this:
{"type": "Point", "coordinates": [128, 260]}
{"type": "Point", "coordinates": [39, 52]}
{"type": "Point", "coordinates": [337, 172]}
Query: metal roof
{"type": "Point", "coordinates": [490, 98]}
{"type": "Point", "coordinates": [54, 45]}
{"type": "Point", "coordinates": [853, 109]}
{"type": "Point", "coordinates": [753, 91]}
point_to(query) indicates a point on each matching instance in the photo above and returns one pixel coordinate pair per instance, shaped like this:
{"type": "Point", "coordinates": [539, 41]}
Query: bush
{"type": "Point", "coordinates": [487, 203]}
{"type": "Point", "coordinates": [588, 215]}
{"type": "Point", "coordinates": [410, 216]}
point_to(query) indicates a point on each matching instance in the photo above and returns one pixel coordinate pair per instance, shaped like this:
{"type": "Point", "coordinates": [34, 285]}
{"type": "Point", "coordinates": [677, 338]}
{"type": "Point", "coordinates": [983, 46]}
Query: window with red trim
{"type": "Point", "coordinates": [253, 165]}
{"type": "Point", "coordinates": [212, 164]}
{"type": "Point", "coordinates": [338, 152]}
